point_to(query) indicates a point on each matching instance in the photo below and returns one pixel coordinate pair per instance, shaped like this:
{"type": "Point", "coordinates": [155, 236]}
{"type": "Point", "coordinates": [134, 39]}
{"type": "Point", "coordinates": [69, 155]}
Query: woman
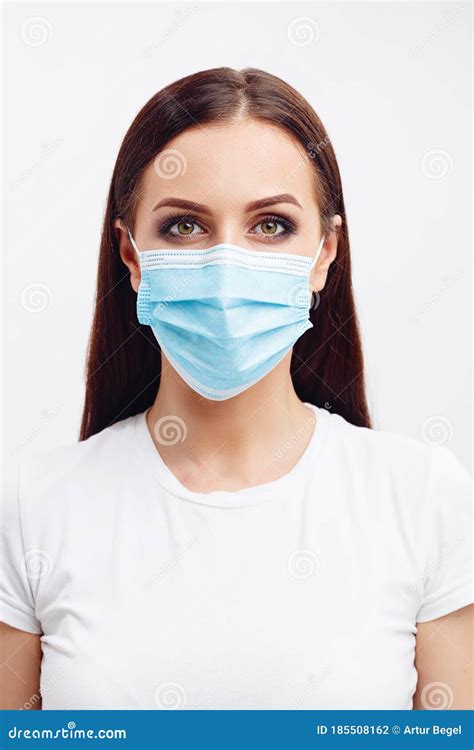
{"type": "Point", "coordinates": [230, 532]}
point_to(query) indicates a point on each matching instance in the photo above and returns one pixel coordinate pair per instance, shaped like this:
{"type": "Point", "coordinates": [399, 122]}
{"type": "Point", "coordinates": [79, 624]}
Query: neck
{"type": "Point", "coordinates": [242, 441]}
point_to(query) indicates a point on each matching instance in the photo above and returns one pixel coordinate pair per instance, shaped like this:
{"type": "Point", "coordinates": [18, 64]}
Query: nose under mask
{"type": "Point", "coordinates": [225, 316]}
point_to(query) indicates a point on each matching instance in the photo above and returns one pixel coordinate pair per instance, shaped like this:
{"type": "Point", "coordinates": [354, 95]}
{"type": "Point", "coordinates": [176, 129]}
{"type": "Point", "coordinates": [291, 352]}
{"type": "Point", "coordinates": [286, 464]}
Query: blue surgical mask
{"type": "Point", "coordinates": [225, 316]}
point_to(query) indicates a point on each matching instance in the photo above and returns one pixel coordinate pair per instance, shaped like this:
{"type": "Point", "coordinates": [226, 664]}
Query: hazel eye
{"type": "Point", "coordinates": [184, 228]}
{"type": "Point", "coordinates": [270, 227]}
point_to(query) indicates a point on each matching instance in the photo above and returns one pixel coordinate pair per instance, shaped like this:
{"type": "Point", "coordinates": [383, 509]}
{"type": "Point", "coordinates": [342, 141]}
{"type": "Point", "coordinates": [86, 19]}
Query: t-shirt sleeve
{"type": "Point", "coordinates": [447, 534]}
{"type": "Point", "coordinates": [17, 606]}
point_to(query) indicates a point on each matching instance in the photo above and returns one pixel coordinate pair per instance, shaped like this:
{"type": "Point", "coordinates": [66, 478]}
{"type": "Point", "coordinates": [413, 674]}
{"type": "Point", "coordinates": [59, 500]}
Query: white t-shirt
{"type": "Point", "coordinates": [301, 593]}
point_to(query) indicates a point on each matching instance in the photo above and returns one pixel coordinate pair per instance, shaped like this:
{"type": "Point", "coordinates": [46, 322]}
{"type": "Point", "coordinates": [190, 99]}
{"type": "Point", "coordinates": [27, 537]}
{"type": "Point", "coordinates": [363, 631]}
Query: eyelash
{"type": "Point", "coordinates": [289, 227]}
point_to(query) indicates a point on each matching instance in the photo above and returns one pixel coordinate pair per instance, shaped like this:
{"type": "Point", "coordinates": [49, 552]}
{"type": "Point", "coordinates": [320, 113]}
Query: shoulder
{"type": "Point", "coordinates": [90, 451]}
{"type": "Point", "coordinates": [378, 449]}
{"type": "Point", "coordinates": [420, 495]}
{"type": "Point", "coordinates": [416, 467]}
{"type": "Point", "coordinates": [55, 474]}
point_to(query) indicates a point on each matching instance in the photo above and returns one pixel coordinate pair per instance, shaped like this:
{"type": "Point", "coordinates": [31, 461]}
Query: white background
{"type": "Point", "coordinates": [391, 84]}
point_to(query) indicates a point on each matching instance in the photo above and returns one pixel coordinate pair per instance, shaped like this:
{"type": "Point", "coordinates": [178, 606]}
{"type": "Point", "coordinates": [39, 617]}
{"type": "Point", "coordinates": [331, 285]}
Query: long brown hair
{"type": "Point", "coordinates": [124, 361]}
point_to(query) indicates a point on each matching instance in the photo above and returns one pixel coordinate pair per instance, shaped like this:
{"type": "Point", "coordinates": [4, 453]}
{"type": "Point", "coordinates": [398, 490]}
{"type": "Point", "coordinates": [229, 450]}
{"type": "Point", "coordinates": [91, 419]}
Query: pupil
{"type": "Point", "coordinates": [185, 227]}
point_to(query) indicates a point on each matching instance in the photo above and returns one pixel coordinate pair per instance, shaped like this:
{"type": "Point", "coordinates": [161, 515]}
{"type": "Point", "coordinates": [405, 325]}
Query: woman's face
{"type": "Point", "coordinates": [245, 183]}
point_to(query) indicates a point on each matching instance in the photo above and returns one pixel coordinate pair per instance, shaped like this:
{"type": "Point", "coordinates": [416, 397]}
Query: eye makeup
{"type": "Point", "coordinates": [287, 227]}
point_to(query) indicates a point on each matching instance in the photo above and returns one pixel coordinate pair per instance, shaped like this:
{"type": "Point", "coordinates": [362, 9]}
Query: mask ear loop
{"type": "Point", "coordinates": [318, 253]}
{"type": "Point", "coordinates": [133, 243]}
{"type": "Point", "coordinates": [315, 260]}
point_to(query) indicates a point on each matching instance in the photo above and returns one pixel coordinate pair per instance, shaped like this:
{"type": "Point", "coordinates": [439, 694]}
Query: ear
{"type": "Point", "coordinates": [327, 255]}
{"type": "Point", "coordinates": [128, 253]}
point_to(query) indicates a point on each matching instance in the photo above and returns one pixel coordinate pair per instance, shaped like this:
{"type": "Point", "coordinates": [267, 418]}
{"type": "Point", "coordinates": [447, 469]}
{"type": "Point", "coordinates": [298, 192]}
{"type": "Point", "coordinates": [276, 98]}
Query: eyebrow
{"type": "Point", "coordinates": [253, 206]}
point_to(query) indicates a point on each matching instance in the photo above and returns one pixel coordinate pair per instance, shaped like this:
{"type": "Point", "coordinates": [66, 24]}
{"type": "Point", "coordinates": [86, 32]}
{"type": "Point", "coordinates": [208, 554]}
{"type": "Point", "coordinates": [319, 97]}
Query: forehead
{"type": "Point", "coordinates": [232, 162]}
